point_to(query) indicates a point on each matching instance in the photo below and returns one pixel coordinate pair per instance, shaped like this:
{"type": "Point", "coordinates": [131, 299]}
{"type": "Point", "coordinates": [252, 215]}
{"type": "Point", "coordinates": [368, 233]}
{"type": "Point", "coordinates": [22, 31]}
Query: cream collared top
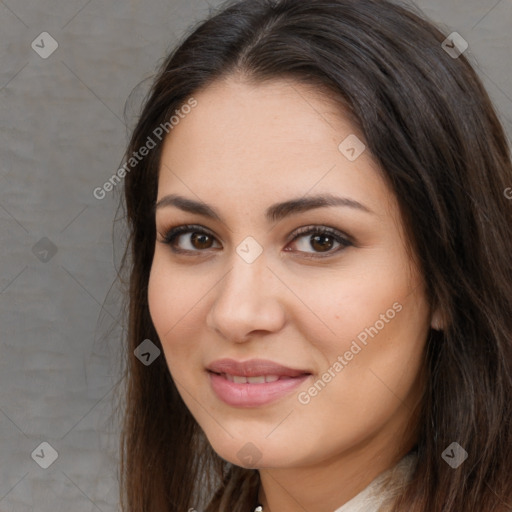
{"type": "Point", "coordinates": [371, 498]}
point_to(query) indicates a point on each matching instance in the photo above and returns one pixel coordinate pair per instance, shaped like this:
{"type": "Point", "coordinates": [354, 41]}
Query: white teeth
{"type": "Point", "coordinates": [256, 380]}
{"type": "Point", "coordinates": [260, 379]}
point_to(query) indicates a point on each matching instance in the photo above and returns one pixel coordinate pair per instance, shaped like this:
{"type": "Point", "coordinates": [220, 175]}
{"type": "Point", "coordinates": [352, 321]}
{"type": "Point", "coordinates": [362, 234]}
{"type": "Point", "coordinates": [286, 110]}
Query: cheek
{"type": "Point", "coordinates": [343, 304]}
{"type": "Point", "coordinates": [381, 351]}
{"type": "Point", "coordinates": [376, 380]}
{"type": "Point", "coordinates": [174, 303]}
{"type": "Point", "coordinates": [161, 301]}
{"type": "Point", "coordinates": [378, 324]}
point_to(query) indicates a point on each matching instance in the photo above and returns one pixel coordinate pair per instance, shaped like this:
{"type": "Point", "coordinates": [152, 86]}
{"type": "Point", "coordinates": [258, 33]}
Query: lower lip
{"type": "Point", "coordinates": [253, 395]}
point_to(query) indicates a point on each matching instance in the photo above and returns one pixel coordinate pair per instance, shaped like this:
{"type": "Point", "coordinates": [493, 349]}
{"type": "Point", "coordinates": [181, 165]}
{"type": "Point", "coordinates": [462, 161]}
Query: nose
{"type": "Point", "coordinates": [247, 302]}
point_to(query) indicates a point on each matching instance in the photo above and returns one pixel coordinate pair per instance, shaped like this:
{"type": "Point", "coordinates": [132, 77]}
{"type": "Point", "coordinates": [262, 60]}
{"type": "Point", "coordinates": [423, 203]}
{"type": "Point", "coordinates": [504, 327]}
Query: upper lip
{"type": "Point", "coordinates": [253, 368]}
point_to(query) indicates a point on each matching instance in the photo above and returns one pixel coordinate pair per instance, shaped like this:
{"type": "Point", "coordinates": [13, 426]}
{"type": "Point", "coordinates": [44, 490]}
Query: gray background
{"type": "Point", "coordinates": [63, 133]}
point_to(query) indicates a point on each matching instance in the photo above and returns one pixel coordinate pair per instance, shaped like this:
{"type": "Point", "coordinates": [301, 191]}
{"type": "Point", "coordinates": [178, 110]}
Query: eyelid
{"type": "Point", "coordinates": [322, 229]}
{"type": "Point", "coordinates": [340, 237]}
{"type": "Point", "coordinates": [184, 228]}
{"type": "Point", "coordinates": [174, 232]}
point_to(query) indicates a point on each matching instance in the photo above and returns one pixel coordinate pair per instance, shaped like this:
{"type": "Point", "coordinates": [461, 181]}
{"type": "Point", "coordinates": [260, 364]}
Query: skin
{"type": "Point", "coordinates": [243, 148]}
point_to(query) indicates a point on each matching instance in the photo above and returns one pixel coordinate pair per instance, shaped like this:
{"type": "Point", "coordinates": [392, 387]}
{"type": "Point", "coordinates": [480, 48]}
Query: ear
{"type": "Point", "coordinates": [437, 322]}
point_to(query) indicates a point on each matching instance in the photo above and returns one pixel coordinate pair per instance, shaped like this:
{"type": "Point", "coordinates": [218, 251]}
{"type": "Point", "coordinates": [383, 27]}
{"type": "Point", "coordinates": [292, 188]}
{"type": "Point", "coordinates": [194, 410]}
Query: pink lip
{"type": "Point", "coordinates": [253, 368]}
{"type": "Point", "coordinates": [253, 395]}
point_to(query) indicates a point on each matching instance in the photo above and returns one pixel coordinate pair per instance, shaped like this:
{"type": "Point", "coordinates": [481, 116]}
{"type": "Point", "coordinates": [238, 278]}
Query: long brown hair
{"type": "Point", "coordinates": [431, 126]}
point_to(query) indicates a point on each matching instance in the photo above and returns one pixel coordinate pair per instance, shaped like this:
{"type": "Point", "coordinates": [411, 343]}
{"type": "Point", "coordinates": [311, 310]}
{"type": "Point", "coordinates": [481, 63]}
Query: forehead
{"type": "Point", "coordinates": [279, 135]}
{"type": "Point", "coordinates": [236, 118]}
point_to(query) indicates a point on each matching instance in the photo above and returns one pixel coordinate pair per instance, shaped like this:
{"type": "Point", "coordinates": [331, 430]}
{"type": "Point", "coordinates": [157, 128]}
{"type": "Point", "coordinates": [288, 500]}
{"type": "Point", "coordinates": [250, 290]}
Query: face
{"type": "Point", "coordinates": [294, 333]}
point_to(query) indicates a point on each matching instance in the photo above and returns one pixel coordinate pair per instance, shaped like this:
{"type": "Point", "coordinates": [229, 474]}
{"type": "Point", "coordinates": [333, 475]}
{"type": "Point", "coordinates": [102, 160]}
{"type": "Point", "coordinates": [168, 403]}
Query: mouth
{"type": "Point", "coordinates": [254, 368]}
{"type": "Point", "coordinates": [258, 379]}
{"type": "Point", "coordinates": [253, 383]}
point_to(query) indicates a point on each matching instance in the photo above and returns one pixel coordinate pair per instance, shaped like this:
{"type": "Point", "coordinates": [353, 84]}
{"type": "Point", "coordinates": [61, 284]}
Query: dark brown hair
{"type": "Point", "coordinates": [432, 128]}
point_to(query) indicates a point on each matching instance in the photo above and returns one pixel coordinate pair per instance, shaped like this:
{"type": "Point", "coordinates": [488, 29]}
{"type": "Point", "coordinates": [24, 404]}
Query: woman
{"type": "Point", "coordinates": [320, 252]}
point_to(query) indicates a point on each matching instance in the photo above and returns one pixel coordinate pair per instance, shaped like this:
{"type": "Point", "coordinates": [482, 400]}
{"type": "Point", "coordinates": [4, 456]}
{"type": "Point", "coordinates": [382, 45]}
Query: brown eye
{"type": "Point", "coordinates": [314, 240]}
{"type": "Point", "coordinates": [311, 241]}
{"type": "Point", "coordinates": [322, 243]}
{"type": "Point", "coordinates": [189, 239]}
{"type": "Point", "coordinates": [201, 240]}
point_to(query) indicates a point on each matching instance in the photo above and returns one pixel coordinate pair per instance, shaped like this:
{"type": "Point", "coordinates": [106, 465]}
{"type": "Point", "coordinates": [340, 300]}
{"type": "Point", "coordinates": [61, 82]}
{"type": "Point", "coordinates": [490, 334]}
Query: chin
{"type": "Point", "coordinates": [257, 454]}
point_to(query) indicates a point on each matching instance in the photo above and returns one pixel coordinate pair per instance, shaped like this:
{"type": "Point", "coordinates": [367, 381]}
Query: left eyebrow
{"type": "Point", "coordinates": [273, 213]}
{"type": "Point", "coordinates": [279, 211]}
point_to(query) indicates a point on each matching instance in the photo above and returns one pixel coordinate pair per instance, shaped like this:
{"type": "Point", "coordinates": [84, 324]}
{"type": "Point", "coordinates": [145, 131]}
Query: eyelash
{"type": "Point", "coordinates": [173, 233]}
